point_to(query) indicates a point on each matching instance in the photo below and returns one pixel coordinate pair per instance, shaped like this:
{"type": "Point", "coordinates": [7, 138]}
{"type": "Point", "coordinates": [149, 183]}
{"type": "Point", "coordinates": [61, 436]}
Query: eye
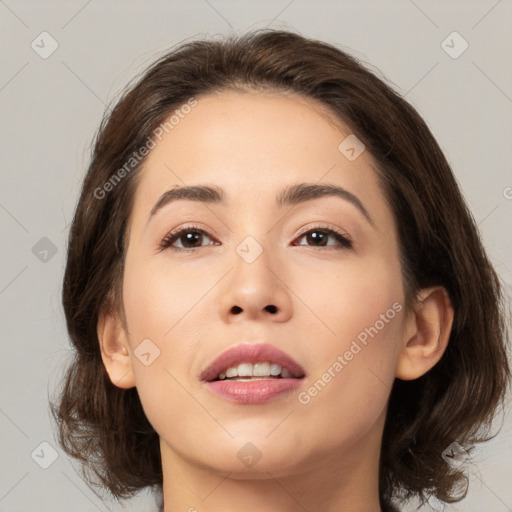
{"type": "Point", "coordinates": [319, 237]}
{"type": "Point", "coordinates": [190, 237]}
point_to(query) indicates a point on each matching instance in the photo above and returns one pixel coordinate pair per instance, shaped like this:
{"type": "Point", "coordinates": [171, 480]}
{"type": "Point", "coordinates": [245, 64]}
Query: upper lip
{"type": "Point", "coordinates": [251, 353]}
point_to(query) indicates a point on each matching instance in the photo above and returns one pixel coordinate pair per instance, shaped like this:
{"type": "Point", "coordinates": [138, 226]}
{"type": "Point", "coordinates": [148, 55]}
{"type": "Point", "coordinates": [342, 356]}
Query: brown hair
{"type": "Point", "coordinates": [105, 427]}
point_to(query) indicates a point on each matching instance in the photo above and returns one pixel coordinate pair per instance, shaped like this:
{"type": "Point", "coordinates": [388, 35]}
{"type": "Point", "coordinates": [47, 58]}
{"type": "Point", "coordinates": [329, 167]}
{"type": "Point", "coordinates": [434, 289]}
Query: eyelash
{"type": "Point", "coordinates": [344, 240]}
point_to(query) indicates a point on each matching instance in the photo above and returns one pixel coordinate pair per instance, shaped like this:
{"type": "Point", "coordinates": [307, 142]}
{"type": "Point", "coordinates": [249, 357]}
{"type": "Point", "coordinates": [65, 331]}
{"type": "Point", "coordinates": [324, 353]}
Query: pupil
{"type": "Point", "coordinates": [317, 236]}
{"type": "Point", "coordinates": [191, 237]}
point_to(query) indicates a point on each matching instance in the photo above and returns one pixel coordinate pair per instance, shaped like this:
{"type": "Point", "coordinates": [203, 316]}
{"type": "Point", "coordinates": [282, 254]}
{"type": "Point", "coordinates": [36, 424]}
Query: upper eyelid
{"type": "Point", "coordinates": [302, 231]}
{"type": "Point", "coordinates": [325, 226]}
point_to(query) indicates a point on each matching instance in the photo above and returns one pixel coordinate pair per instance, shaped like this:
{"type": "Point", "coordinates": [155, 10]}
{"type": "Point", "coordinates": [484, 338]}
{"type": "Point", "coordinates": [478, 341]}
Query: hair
{"type": "Point", "coordinates": [105, 427]}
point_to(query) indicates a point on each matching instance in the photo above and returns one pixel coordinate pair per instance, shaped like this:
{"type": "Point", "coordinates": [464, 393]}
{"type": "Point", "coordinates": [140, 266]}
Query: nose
{"type": "Point", "coordinates": [256, 291]}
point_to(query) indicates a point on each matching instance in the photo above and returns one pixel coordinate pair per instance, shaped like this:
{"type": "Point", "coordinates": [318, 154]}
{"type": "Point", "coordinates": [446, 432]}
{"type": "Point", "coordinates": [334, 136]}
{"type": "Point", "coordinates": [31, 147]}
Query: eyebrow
{"type": "Point", "coordinates": [290, 195]}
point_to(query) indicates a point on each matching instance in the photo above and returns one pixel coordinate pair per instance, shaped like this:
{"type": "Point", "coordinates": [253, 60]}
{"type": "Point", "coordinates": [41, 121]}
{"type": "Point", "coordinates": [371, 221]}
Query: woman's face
{"type": "Point", "coordinates": [263, 272]}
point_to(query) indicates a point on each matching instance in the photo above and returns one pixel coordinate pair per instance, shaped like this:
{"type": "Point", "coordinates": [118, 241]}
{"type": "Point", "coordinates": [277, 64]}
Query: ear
{"type": "Point", "coordinates": [115, 350]}
{"type": "Point", "coordinates": [428, 331]}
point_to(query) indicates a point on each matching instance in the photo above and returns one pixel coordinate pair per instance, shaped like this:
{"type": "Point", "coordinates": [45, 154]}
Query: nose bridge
{"type": "Point", "coordinates": [254, 246]}
{"type": "Point", "coordinates": [254, 263]}
{"type": "Point", "coordinates": [254, 289]}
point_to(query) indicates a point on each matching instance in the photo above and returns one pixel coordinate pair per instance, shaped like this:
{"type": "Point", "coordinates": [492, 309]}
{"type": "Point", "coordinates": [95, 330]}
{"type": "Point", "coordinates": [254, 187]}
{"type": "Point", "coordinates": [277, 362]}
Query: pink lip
{"type": "Point", "coordinates": [256, 391]}
{"type": "Point", "coordinates": [251, 353]}
{"type": "Point", "coordinates": [253, 392]}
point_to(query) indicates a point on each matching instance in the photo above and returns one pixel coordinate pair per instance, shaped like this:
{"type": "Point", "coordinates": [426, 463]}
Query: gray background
{"type": "Point", "coordinates": [51, 108]}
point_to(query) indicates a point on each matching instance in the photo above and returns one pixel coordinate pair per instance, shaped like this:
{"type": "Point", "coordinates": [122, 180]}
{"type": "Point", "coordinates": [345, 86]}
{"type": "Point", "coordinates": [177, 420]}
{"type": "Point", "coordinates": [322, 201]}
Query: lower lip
{"type": "Point", "coordinates": [253, 392]}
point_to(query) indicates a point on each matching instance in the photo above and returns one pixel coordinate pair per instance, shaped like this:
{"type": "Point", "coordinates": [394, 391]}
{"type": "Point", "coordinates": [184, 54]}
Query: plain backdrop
{"type": "Point", "coordinates": [52, 105]}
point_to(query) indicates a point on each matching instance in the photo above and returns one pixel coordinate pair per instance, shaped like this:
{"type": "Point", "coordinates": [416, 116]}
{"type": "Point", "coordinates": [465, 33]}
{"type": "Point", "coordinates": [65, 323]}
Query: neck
{"type": "Point", "coordinates": [344, 479]}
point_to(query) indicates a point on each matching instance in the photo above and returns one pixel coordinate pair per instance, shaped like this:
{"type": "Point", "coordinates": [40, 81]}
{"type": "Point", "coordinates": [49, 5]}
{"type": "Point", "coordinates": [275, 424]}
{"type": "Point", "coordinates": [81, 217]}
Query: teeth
{"type": "Point", "coordinates": [275, 369]}
{"type": "Point", "coordinates": [245, 370]}
{"type": "Point", "coordinates": [232, 372]}
{"type": "Point", "coordinates": [263, 369]}
{"type": "Point", "coordinates": [251, 379]}
{"type": "Point", "coordinates": [285, 373]}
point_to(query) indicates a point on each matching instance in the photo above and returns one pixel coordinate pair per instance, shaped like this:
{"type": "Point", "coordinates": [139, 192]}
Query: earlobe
{"type": "Point", "coordinates": [429, 328]}
{"type": "Point", "coordinates": [115, 350]}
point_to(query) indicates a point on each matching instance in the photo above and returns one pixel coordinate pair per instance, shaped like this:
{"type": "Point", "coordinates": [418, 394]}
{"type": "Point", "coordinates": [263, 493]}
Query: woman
{"type": "Point", "coordinates": [277, 295]}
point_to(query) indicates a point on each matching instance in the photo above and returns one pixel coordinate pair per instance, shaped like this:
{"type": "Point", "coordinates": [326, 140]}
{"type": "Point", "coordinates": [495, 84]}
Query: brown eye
{"type": "Point", "coordinates": [187, 238]}
{"type": "Point", "coordinates": [319, 237]}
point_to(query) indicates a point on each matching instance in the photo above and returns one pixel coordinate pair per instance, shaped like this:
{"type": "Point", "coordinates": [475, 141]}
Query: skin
{"type": "Point", "coordinates": [322, 455]}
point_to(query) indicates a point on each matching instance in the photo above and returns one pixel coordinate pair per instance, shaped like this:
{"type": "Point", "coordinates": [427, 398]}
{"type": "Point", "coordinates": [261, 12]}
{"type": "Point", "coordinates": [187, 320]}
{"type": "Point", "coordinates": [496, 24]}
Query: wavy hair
{"type": "Point", "coordinates": [105, 428]}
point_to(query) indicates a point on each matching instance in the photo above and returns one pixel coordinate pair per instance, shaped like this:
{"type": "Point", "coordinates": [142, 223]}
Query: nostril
{"type": "Point", "coordinates": [236, 310]}
{"type": "Point", "coordinates": [271, 308]}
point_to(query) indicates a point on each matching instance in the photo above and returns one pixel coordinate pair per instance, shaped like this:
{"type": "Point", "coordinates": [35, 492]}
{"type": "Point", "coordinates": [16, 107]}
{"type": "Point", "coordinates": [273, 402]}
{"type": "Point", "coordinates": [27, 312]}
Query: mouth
{"type": "Point", "coordinates": [253, 373]}
{"type": "Point", "coordinates": [252, 362]}
{"type": "Point", "coordinates": [256, 371]}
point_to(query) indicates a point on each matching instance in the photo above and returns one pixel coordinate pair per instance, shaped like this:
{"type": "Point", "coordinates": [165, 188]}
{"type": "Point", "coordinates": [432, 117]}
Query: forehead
{"type": "Point", "coordinates": [253, 144]}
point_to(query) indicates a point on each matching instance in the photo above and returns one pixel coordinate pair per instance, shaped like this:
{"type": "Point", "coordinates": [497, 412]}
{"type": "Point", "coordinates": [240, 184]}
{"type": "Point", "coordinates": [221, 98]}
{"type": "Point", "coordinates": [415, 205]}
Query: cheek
{"type": "Point", "coordinates": [159, 308]}
{"type": "Point", "coordinates": [354, 361]}
{"type": "Point", "coordinates": [350, 299]}
{"type": "Point", "coordinates": [348, 391]}
{"type": "Point", "coordinates": [157, 311]}
{"type": "Point", "coordinates": [372, 342]}
{"type": "Point", "coordinates": [157, 297]}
